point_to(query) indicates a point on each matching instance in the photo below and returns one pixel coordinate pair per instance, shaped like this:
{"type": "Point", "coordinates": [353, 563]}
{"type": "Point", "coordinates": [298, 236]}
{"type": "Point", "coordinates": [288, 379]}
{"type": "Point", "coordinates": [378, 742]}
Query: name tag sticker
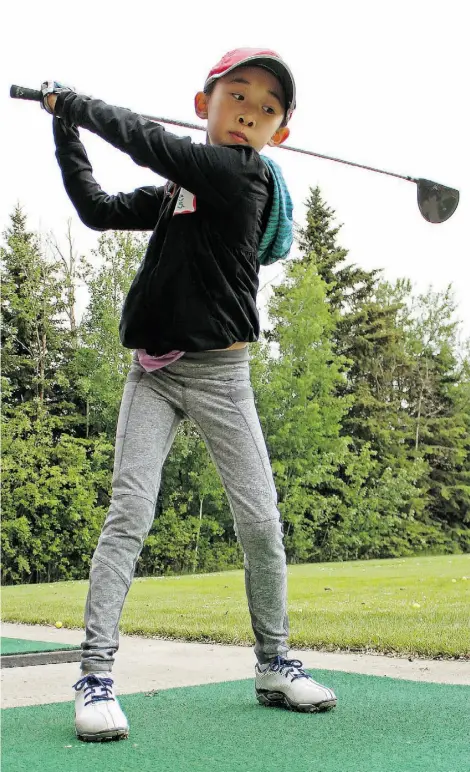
{"type": "Point", "coordinates": [186, 202]}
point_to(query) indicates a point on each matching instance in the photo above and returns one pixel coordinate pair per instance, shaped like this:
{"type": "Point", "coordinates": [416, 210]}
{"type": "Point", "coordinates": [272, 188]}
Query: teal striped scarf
{"type": "Point", "coordinates": [278, 237]}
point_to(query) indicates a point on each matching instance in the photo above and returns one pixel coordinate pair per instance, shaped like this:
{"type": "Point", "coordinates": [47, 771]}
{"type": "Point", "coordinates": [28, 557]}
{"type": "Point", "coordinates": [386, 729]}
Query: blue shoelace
{"type": "Point", "coordinates": [91, 683]}
{"type": "Point", "coordinates": [287, 666]}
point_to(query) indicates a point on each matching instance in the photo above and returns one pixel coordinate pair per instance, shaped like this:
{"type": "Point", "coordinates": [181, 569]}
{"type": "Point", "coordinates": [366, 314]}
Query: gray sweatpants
{"type": "Point", "coordinates": [213, 390]}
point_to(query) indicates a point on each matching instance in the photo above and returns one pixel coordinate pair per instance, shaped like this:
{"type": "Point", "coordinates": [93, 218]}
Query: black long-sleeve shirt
{"type": "Point", "coordinates": [197, 284]}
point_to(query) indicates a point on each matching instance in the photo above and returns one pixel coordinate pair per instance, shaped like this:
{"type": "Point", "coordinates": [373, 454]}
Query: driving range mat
{"type": "Point", "coordinates": [18, 652]}
{"type": "Point", "coordinates": [379, 725]}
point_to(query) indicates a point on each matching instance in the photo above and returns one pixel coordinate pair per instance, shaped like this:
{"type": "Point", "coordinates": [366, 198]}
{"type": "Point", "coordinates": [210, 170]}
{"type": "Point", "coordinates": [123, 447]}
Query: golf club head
{"type": "Point", "coordinates": [436, 202]}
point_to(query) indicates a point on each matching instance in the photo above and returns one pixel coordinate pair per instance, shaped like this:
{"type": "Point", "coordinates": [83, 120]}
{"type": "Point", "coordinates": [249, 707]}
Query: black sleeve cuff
{"type": "Point", "coordinates": [67, 103]}
{"type": "Point", "coordinates": [64, 133]}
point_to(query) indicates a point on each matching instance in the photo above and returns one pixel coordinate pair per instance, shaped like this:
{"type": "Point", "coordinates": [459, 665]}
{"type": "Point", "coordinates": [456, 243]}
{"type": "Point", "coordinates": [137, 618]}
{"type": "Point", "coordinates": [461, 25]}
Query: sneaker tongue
{"type": "Point", "coordinates": [97, 682]}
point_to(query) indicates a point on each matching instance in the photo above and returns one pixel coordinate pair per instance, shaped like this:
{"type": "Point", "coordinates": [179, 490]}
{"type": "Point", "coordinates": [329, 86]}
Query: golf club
{"type": "Point", "coordinates": [436, 202]}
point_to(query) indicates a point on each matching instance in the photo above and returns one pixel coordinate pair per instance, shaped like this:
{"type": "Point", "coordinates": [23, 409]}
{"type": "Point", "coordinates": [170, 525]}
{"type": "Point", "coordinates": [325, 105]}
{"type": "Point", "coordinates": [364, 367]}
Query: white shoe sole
{"type": "Point", "coordinates": [278, 699]}
{"type": "Point", "coordinates": [110, 734]}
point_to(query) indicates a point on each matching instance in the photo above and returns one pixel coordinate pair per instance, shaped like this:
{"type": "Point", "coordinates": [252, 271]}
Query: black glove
{"type": "Point", "coordinates": [52, 87]}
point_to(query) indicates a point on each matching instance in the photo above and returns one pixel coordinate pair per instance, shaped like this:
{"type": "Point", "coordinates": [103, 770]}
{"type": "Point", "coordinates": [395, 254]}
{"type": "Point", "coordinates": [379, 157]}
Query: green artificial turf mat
{"type": "Point", "coordinates": [20, 646]}
{"type": "Point", "coordinates": [380, 725]}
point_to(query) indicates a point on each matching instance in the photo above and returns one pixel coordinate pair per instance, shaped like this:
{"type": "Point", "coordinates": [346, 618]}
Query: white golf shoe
{"type": "Point", "coordinates": [98, 715]}
{"type": "Point", "coordinates": [285, 684]}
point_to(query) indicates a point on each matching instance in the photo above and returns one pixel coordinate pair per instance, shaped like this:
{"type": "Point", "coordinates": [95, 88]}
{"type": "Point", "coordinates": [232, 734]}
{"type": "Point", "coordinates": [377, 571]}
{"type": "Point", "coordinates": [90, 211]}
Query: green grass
{"type": "Point", "coordinates": [368, 608]}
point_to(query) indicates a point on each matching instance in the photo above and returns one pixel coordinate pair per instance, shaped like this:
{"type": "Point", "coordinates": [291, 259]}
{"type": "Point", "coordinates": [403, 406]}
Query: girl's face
{"type": "Point", "coordinates": [248, 101]}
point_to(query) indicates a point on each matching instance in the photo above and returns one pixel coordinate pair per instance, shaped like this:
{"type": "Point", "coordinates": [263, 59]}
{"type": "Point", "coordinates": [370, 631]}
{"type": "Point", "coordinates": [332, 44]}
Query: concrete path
{"type": "Point", "coordinates": [150, 664]}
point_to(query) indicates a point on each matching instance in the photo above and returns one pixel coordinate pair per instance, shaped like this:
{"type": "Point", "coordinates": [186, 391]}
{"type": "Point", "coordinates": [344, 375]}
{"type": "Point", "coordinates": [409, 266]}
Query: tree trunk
{"type": "Point", "coordinates": [70, 275]}
{"type": "Point", "coordinates": [42, 370]}
{"type": "Point", "coordinates": [197, 536]}
{"type": "Point", "coordinates": [418, 418]}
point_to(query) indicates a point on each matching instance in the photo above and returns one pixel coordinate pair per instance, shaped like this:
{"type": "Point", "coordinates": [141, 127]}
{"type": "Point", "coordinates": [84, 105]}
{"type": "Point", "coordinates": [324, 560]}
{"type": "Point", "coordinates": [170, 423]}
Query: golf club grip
{"type": "Point", "coordinates": [20, 92]}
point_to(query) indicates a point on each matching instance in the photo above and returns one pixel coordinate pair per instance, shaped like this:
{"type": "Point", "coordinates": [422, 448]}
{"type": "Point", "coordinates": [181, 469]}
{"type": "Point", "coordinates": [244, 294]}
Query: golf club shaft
{"type": "Point", "coordinates": [19, 92]}
{"type": "Point", "coordinates": [286, 147]}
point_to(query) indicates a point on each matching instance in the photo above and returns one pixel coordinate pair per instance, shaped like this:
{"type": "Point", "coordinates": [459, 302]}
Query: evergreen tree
{"type": "Point", "coordinates": [366, 334]}
{"type": "Point", "coordinates": [52, 482]}
{"type": "Point", "coordinates": [51, 489]}
{"type": "Point", "coordinates": [34, 336]}
{"type": "Point", "coordinates": [366, 414]}
{"type": "Point", "coordinates": [346, 285]}
{"type": "Point", "coordinates": [299, 406]}
{"type": "Point", "coordinates": [369, 337]}
{"type": "Point", "coordinates": [437, 402]}
{"type": "Point", "coordinates": [101, 362]}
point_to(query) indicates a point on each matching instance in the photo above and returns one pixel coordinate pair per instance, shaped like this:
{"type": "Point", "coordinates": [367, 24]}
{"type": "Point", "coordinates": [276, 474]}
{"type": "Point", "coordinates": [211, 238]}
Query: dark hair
{"type": "Point", "coordinates": [208, 90]}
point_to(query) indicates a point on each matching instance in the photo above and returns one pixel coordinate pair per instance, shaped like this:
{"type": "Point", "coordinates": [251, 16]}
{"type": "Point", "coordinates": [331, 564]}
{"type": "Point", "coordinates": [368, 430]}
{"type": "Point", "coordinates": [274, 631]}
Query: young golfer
{"type": "Point", "coordinates": [189, 316]}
